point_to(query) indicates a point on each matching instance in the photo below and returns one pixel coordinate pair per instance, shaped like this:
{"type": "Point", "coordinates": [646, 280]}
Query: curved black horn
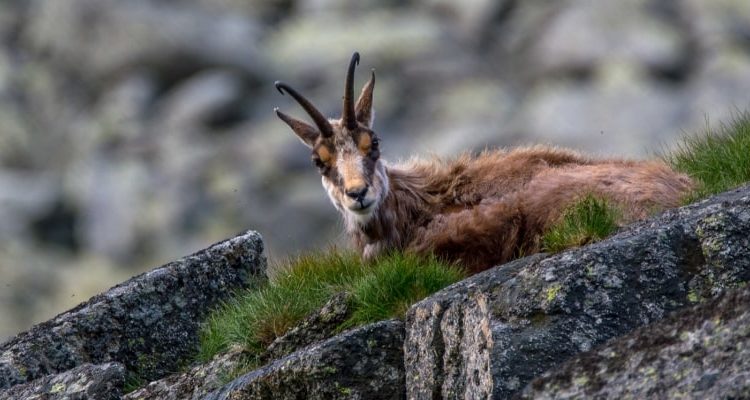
{"type": "Point", "coordinates": [320, 120]}
{"type": "Point", "coordinates": [348, 116]}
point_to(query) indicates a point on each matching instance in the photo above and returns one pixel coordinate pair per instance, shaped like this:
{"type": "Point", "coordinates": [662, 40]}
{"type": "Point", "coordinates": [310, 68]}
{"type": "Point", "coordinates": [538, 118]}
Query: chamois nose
{"type": "Point", "coordinates": [357, 193]}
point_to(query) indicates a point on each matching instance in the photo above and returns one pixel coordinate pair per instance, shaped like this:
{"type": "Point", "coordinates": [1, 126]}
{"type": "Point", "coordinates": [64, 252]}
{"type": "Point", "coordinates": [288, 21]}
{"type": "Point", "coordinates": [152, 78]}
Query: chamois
{"type": "Point", "coordinates": [479, 210]}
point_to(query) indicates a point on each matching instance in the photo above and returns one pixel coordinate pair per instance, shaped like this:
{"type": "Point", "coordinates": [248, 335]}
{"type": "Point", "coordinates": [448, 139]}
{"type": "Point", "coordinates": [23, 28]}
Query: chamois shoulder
{"type": "Point", "coordinates": [492, 173]}
{"type": "Point", "coordinates": [518, 156]}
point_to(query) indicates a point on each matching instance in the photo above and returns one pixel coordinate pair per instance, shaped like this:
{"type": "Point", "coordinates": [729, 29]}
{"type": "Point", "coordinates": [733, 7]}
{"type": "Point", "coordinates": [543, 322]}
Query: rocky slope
{"type": "Point", "coordinates": [494, 332]}
{"type": "Point", "coordinates": [148, 324]}
{"type": "Point", "coordinates": [700, 353]}
{"type": "Point", "coordinates": [134, 132]}
{"type": "Point", "coordinates": [661, 308]}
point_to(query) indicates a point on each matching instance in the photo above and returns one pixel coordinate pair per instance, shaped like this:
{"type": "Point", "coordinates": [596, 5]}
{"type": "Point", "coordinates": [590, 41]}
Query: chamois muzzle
{"type": "Point", "coordinates": [358, 194]}
{"type": "Point", "coordinates": [320, 120]}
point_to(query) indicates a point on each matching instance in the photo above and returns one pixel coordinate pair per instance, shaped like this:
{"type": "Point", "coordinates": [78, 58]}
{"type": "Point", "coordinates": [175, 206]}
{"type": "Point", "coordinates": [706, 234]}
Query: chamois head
{"type": "Point", "coordinates": [346, 150]}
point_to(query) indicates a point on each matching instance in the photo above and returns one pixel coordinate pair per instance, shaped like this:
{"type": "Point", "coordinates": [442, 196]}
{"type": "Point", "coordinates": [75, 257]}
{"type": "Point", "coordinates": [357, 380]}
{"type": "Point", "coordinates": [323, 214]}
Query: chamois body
{"type": "Point", "coordinates": [487, 209]}
{"type": "Point", "coordinates": [479, 210]}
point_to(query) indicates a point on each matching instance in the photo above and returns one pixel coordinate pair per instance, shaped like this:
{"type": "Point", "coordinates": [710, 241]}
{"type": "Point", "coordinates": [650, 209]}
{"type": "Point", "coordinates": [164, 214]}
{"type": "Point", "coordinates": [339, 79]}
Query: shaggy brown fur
{"type": "Point", "coordinates": [486, 210]}
{"type": "Point", "coordinates": [478, 210]}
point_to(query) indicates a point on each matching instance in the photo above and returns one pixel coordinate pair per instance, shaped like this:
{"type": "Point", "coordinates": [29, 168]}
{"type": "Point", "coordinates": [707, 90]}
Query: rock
{"type": "Point", "coordinates": [364, 363]}
{"type": "Point", "coordinates": [320, 325]}
{"type": "Point", "coordinates": [194, 384]}
{"type": "Point", "coordinates": [149, 323]}
{"type": "Point", "coordinates": [24, 195]}
{"type": "Point", "coordinates": [493, 333]}
{"type": "Point", "coordinates": [199, 100]}
{"type": "Point", "coordinates": [408, 32]}
{"type": "Point", "coordinates": [460, 115]}
{"type": "Point", "coordinates": [87, 381]}
{"type": "Point", "coordinates": [577, 115]}
{"type": "Point", "coordinates": [720, 89]}
{"type": "Point", "coordinates": [114, 37]}
{"type": "Point", "coordinates": [700, 353]}
{"type": "Point", "coordinates": [469, 17]}
{"type": "Point", "coordinates": [719, 23]}
{"type": "Point", "coordinates": [123, 110]}
{"type": "Point", "coordinates": [589, 33]}
{"type": "Point", "coordinates": [113, 231]}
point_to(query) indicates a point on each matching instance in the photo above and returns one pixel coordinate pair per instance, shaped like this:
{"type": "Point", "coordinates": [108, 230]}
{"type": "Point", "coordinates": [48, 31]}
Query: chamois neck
{"type": "Point", "coordinates": [409, 188]}
{"type": "Point", "coordinates": [406, 206]}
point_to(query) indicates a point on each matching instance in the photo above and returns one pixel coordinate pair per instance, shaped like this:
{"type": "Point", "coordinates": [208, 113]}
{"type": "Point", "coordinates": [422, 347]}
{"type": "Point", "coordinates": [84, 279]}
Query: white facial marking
{"type": "Point", "coordinates": [332, 193]}
{"type": "Point", "coordinates": [354, 214]}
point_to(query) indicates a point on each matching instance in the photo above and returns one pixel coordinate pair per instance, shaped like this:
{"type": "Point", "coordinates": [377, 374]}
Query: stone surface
{"type": "Point", "coordinates": [87, 381]}
{"type": "Point", "coordinates": [493, 333]}
{"type": "Point", "coordinates": [591, 33]}
{"type": "Point", "coordinates": [149, 323]}
{"type": "Point", "coordinates": [320, 325]}
{"type": "Point", "coordinates": [163, 32]}
{"type": "Point", "coordinates": [700, 353]}
{"type": "Point", "coordinates": [193, 384]}
{"type": "Point", "coordinates": [364, 363]}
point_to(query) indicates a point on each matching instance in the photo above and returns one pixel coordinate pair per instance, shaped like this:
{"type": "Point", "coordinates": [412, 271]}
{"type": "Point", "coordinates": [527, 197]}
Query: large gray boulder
{"type": "Point", "coordinates": [88, 381]}
{"type": "Point", "coordinates": [319, 325]}
{"type": "Point", "coordinates": [149, 323]}
{"type": "Point", "coordinates": [493, 333]}
{"type": "Point", "coordinates": [701, 353]}
{"type": "Point", "coordinates": [194, 383]}
{"type": "Point", "coordinates": [126, 36]}
{"type": "Point", "coordinates": [364, 363]}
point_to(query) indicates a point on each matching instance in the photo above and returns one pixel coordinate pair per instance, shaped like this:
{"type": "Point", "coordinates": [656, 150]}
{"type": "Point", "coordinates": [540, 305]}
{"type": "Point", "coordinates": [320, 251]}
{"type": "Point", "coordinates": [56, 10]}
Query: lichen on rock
{"type": "Point", "coordinates": [193, 384]}
{"type": "Point", "coordinates": [87, 381]}
{"type": "Point", "coordinates": [149, 323]}
{"type": "Point", "coordinates": [363, 363]}
{"type": "Point", "coordinates": [319, 325]}
{"type": "Point", "coordinates": [699, 353]}
{"type": "Point", "coordinates": [493, 333]}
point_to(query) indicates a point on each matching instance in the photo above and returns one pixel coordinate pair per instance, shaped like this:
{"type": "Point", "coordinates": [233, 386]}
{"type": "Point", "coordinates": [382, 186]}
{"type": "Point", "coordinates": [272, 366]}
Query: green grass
{"type": "Point", "coordinates": [382, 289]}
{"type": "Point", "coordinates": [395, 283]}
{"type": "Point", "coordinates": [718, 160]}
{"type": "Point", "coordinates": [133, 382]}
{"type": "Point", "coordinates": [588, 220]}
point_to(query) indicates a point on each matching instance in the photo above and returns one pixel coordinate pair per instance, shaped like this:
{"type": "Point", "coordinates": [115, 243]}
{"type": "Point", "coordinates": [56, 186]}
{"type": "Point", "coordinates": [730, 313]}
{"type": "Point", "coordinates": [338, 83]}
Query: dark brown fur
{"type": "Point", "coordinates": [486, 210]}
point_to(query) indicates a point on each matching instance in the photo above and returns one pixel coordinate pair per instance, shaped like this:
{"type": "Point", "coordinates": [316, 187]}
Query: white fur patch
{"type": "Point", "coordinates": [354, 219]}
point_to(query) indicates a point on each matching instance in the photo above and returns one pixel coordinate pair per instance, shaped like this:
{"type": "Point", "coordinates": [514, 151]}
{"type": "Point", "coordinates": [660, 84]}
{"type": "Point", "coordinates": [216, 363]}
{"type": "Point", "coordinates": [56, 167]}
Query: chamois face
{"type": "Point", "coordinates": [346, 151]}
{"type": "Point", "coordinates": [351, 171]}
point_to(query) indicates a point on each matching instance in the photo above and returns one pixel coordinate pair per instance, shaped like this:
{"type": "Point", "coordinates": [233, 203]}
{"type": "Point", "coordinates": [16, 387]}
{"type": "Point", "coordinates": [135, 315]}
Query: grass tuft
{"type": "Point", "coordinates": [718, 160]}
{"type": "Point", "coordinates": [133, 382]}
{"type": "Point", "coordinates": [382, 289]}
{"type": "Point", "coordinates": [395, 283]}
{"type": "Point", "coordinates": [588, 220]}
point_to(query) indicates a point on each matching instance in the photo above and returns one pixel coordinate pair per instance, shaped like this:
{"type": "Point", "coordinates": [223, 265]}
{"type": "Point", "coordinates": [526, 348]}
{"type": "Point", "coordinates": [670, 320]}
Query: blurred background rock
{"type": "Point", "coordinates": [133, 132]}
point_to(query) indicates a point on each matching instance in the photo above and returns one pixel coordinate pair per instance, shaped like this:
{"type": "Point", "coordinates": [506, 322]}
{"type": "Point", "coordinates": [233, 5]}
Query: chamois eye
{"type": "Point", "coordinates": [374, 153]}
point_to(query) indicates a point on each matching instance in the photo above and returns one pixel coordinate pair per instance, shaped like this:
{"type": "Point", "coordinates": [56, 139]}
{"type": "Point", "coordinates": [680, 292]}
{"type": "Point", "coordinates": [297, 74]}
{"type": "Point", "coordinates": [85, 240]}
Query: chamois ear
{"type": "Point", "coordinates": [307, 134]}
{"type": "Point", "coordinates": [364, 112]}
